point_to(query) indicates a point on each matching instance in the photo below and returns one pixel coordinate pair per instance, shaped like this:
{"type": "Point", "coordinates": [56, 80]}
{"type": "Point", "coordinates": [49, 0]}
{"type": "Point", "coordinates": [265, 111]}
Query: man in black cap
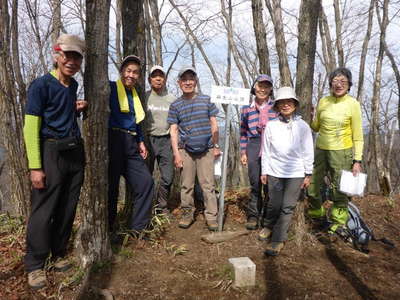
{"type": "Point", "coordinates": [127, 151]}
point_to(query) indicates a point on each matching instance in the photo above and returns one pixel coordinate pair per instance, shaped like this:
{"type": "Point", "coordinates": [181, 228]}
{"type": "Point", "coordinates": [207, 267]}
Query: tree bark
{"type": "Point", "coordinates": [235, 52]}
{"type": "Point", "coordinates": [338, 22]}
{"type": "Point", "coordinates": [364, 52]}
{"type": "Point", "coordinates": [93, 239]}
{"type": "Point", "coordinates": [149, 44]}
{"type": "Point", "coordinates": [56, 20]}
{"type": "Point", "coordinates": [12, 99]}
{"type": "Point", "coordinates": [261, 37]}
{"type": "Point", "coordinates": [274, 8]}
{"type": "Point", "coordinates": [156, 29]}
{"type": "Point", "coordinates": [383, 172]}
{"type": "Point", "coordinates": [327, 40]}
{"type": "Point", "coordinates": [307, 39]}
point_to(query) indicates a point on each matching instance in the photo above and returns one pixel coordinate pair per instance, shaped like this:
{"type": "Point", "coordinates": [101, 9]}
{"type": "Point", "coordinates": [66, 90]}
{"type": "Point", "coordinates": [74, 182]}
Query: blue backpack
{"type": "Point", "coordinates": [357, 232]}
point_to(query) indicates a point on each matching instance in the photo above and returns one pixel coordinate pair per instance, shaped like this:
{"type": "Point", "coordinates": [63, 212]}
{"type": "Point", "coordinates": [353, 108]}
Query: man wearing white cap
{"type": "Point", "coordinates": [158, 101]}
{"type": "Point", "coordinates": [56, 159]}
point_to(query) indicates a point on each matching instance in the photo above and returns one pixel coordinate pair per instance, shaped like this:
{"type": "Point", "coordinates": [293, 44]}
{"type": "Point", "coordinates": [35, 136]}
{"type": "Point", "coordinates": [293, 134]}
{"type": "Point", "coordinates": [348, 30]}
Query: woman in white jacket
{"type": "Point", "coordinates": [287, 156]}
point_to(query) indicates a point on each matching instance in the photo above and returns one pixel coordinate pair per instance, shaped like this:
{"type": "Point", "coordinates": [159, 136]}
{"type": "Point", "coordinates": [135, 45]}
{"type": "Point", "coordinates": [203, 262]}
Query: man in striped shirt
{"type": "Point", "coordinates": [194, 139]}
{"type": "Point", "coordinates": [254, 118]}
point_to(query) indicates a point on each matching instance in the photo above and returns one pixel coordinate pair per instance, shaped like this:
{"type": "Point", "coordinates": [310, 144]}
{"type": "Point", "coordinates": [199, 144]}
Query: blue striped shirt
{"type": "Point", "coordinates": [193, 119]}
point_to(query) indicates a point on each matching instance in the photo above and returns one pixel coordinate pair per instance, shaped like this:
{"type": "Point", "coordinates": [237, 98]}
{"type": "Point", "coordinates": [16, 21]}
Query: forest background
{"type": "Point", "coordinates": [229, 42]}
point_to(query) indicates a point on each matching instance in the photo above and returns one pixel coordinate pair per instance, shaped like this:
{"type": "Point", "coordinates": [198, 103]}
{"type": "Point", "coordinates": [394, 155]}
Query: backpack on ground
{"type": "Point", "coordinates": [358, 232]}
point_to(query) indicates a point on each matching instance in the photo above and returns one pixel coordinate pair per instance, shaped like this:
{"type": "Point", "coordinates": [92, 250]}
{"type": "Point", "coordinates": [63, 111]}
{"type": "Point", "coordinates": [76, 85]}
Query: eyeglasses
{"type": "Point", "coordinates": [342, 82]}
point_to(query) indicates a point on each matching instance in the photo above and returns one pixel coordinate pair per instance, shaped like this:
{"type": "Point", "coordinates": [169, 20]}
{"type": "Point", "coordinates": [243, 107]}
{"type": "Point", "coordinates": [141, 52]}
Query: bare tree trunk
{"type": "Point", "coordinates": [307, 39]}
{"type": "Point", "coordinates": [33, 13]}
{"type": "Point", "coordinates": [118, 32]}
{"type": "Point", "coordinates": [383, 173]}
{"type": "Point", "coordinates": [261, 37]}
{"type": "Point", "coordinates": [327, 40]}
{"type": "Point", "coordinates": [156, 29]}
{"type": "Point", "coordinates": [364, 52]}
{"type": "Point", "coordinates": [56, 21]}
{"type": "Point", "coordinates": [338, 22]}
{"type": "Point", "coordinates": [229, 52]}
{"type": "Point", "coordinates": [12, 97]}
{"type": "Point", "coordinates": [235, 52]}
{"type": "Point", "coordinates": [274, 7]}
{"type": "Point", "coordinates": [394, 67]}
{"type": "Point", "coordinates": [149, 44]}
{"type": "Point", "coordinates": [93, 239]}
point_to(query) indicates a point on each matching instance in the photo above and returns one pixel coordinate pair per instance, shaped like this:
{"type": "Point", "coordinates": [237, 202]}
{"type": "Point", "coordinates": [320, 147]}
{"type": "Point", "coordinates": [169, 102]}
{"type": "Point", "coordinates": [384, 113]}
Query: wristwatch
{"type": "Point", "coordinates": [216, 146]}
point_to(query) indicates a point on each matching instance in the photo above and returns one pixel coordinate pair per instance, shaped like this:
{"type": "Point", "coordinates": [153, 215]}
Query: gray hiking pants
{"type": "Point", "coordinates": [283, 196]}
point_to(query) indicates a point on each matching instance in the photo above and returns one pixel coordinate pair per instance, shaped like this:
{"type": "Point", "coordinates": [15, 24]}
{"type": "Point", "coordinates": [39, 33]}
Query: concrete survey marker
{"type": "Point", "coordinates": [244, 271]}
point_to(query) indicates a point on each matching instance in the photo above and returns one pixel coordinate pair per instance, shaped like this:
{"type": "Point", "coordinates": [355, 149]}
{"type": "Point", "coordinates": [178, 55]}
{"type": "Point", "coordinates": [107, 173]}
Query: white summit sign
{"type": "Point", "coordinates": [229, 95]}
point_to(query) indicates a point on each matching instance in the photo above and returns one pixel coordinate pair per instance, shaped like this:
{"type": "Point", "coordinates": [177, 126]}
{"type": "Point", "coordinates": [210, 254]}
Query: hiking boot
{"type": "Point", "coordinates": [274, 248]}
{"type": "Point", "coordinates": [186, 219]}
{"type": "Point", "coordinates": [212, 225]}
{"type": "Point", "coordinates": [252, 223]}
{"type": "Point", "coordinates": [37, 279]}
{"type": "Point", "coordinates": [264, 234]}
{"type": "Point", "coordinates": [62, 265]}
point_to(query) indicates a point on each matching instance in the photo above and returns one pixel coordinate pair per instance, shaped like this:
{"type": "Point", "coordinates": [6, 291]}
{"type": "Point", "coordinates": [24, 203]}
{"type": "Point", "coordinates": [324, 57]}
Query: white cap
{"type": "Point", "coordinates": [285, 92]}
{"type": "Point", "coordinates": [155, 68]}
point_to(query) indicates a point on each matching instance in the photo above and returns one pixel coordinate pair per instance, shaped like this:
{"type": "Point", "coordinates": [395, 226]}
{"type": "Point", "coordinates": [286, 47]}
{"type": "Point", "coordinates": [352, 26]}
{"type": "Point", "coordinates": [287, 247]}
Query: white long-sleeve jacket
{"type": "Point", "coordinates": [287, 148]}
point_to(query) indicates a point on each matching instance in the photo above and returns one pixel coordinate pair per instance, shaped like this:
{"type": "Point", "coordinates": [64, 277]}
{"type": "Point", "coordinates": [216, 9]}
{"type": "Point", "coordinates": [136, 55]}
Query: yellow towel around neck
{"type": "Point", "coordinates": [123, 102]}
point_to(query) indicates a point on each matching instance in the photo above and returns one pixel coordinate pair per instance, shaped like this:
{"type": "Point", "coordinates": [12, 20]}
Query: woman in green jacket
{"type": "Point", "coordinates": [339, 146]}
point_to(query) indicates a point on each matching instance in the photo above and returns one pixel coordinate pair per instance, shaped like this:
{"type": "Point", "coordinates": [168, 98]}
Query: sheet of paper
{"type": "Point", "coordinates": [353, 185]}
{"type": "Point", "coordinates": [218, 166]}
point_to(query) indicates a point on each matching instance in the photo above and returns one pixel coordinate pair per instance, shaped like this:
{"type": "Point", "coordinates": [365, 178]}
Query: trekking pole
{"type": "Point", "coordinates": [224, 169]}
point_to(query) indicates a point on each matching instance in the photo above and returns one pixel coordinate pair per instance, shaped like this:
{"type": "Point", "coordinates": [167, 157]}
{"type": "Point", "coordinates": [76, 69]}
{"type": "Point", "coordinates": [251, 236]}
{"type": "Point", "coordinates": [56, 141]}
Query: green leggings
{"type": "Point", "coordinates": [330, 163]}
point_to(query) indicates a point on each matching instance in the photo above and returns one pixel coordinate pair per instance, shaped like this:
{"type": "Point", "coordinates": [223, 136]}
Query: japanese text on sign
{"type": "Point", "coordinates": [229, 95]}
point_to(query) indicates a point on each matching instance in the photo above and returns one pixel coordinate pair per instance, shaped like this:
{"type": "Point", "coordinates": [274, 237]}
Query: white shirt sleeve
{"type": "Point", "coordinates": [307, 148]}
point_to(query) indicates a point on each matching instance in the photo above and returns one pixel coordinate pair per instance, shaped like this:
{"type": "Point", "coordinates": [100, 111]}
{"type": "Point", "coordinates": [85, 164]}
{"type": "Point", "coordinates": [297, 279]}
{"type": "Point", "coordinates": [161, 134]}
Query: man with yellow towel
{"type": "Point", "coordinates": [126, 147]}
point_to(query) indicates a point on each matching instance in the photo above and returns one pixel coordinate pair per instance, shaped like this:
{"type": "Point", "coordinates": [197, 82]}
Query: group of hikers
{"type": "Point", "coordinates": [276, 146]}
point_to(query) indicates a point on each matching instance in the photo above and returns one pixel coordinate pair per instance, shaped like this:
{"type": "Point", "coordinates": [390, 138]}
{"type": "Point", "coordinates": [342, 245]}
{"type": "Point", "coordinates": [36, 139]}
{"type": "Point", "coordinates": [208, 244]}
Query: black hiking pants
{"type": "Point", "coordinates": [53, 208]}
{"type": "Point", "coordinates": [125, 160]}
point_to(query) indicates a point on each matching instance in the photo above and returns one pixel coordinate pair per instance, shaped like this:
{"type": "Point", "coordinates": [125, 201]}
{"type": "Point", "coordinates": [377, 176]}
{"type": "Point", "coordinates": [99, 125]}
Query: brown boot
{"type": "Point", "coordinates": [274, 248]}
{"type": "Point", "coordinates": [62, 265]}
{"type": "Point", "coordinates": [37, 279]}
{"type": "Point", "coordinates": [212, 225]}
{"type": "Point", "coordinates": [252, 223]}
{"type": "Point", "coordinates": [186, 219]}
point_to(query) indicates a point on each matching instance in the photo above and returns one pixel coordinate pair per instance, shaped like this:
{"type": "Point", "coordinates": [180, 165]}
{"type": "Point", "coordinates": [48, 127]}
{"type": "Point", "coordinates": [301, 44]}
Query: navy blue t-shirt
{"type": "Point", "coordinates": [55, 104]}
{"type": "Point", "coordinates": [120, 119]}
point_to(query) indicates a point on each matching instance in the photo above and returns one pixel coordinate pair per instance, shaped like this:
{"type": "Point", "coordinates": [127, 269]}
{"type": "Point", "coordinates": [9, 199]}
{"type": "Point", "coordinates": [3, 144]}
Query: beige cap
{"type": "Point", "coordinates": [155, 68]}
{"type": "Point", "coordinates": [70, 42]}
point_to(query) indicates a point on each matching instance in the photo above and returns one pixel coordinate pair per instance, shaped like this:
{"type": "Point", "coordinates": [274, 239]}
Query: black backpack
{"type": "Point", "coordinates": [357, 232]}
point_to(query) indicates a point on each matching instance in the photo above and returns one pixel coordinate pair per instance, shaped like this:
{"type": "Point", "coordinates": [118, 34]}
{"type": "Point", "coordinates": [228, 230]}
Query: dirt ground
{"type": "Point", "coordinates": [178, 265]}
